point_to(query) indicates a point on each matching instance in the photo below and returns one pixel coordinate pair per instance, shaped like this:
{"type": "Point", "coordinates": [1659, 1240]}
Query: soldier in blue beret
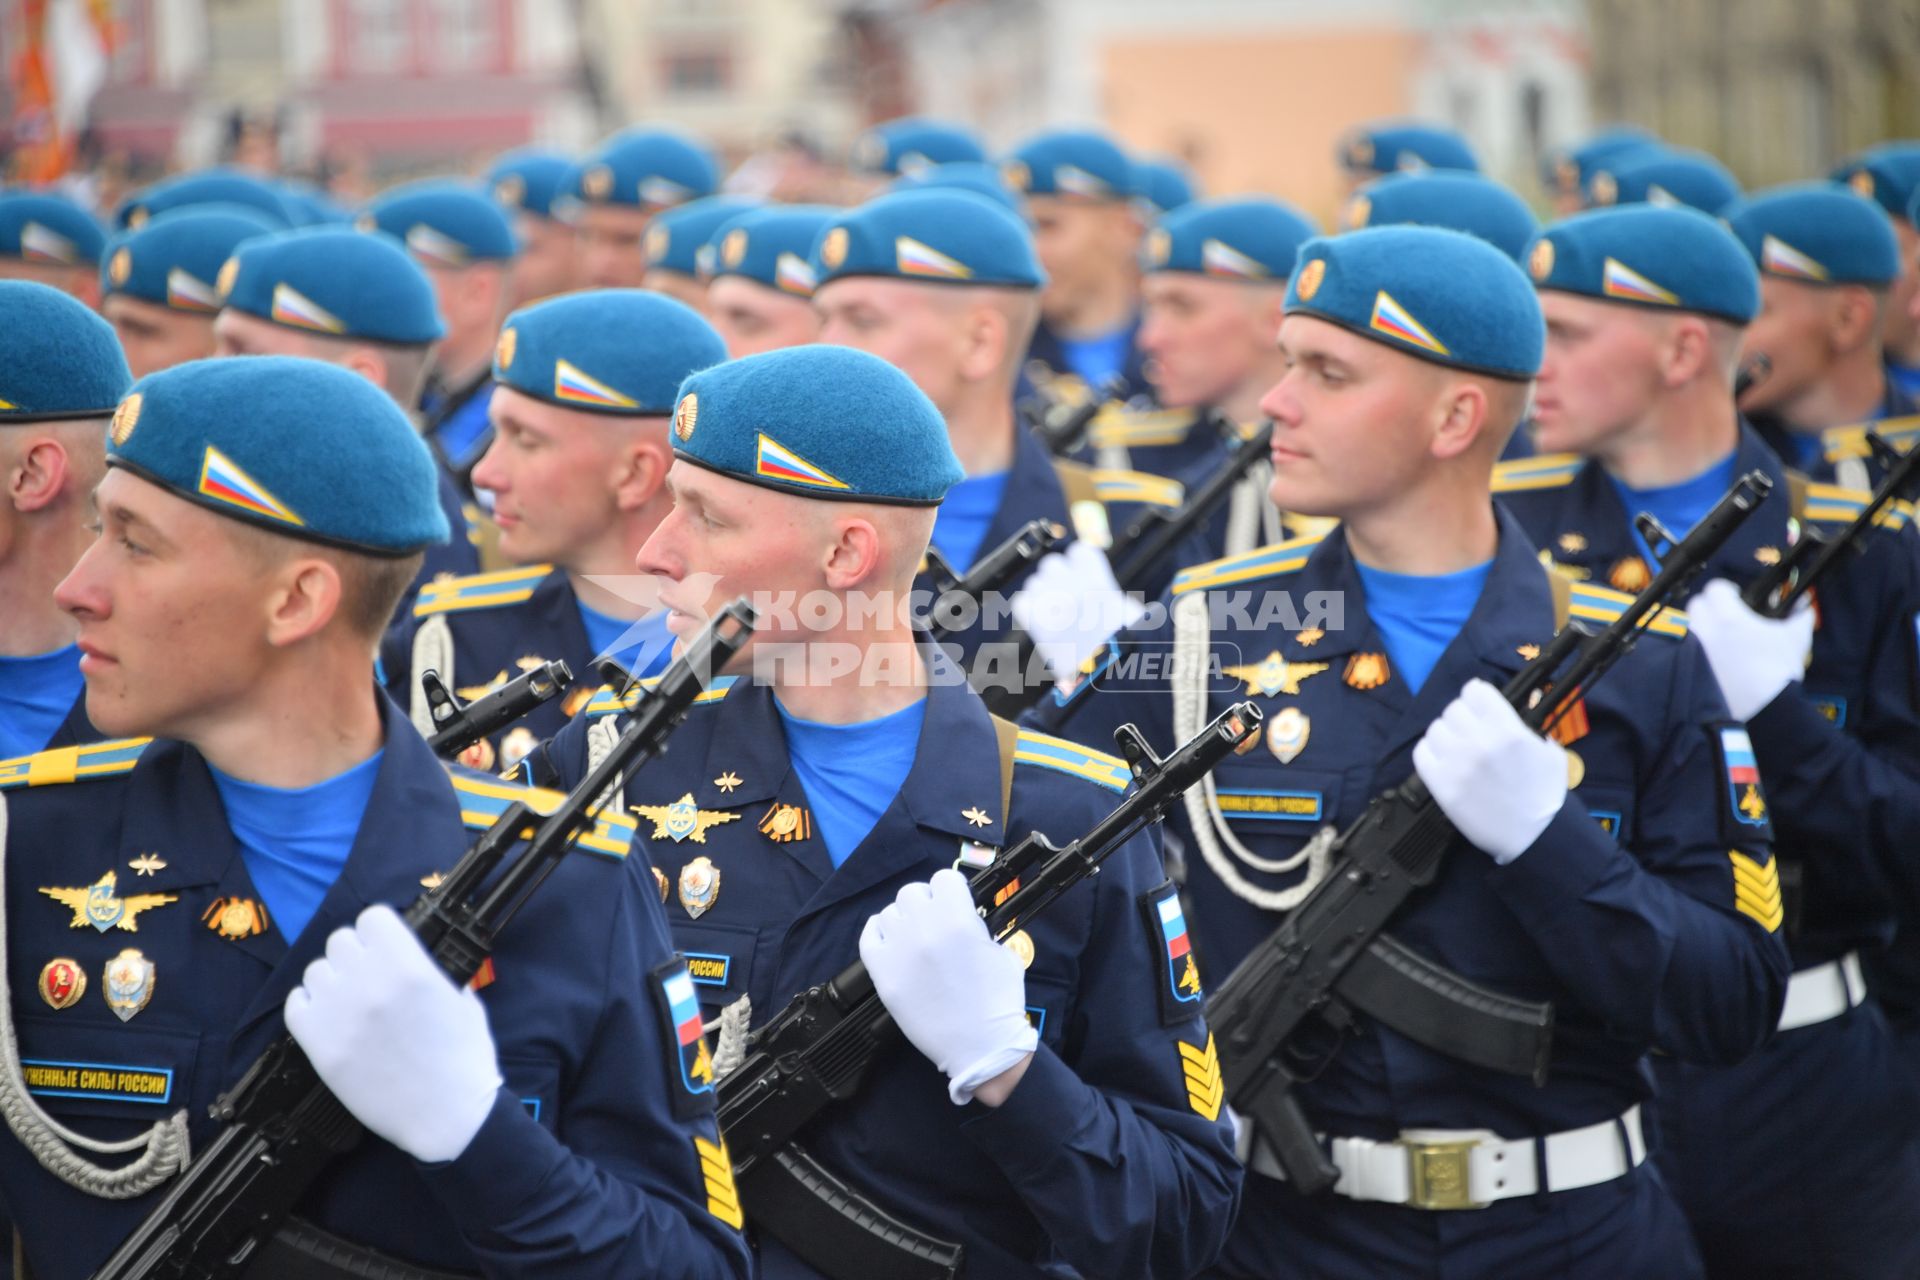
{"type": "Point", "coordinates": [61, 376]}
{"type": "Point", "coordinates": [465, 244]}
{"type": "Point", "coordinates": [583, 387]}
{"type": "Point", "coordinates": [1162, 185]}
{"type": "Point", "coordinates": [206, 186]}
{"type": "Point", "coordinates": [1566, 171]}
{"type": "Point", "coordinates": [1393, 146]}
{"type": "Point", "coordinates": [834, 777]}
{"type": "Point", "coordinates": [529, 182]}
{"type": "Point", "coordinates": [245, 564]}
{"type": "Point", "coordinates": [944, 285]}
{"type": "Point", "coordinates": [1890, 175]}
{"type": "Point", "coordinates": [761, 294]}
{"type": "Point", "coordinates": [1645, 308]}
{"type": "Point", "coordinates": [1591, 869]}
{"type": "Point", "coordinates": [1666, 177]}
{"type": "Point", "coordinates": [910, 145]}
{"type": "Point", "coordinates": [613, 195]}
{"type": "Point", "coordinates": [49, 239]}
{"type": "Point", "coordinates": [977, 176]}
{"type": "Point", "coordinates": [1079, 190]}
{"type": "Point", "coordinates": [678, 262]}
{"type": "Point", "coordinates": [158, 284]}
{"type": "Point", "coordinates": [351, 298]}
{"type": "Point", "coordinates": [1828, 262]}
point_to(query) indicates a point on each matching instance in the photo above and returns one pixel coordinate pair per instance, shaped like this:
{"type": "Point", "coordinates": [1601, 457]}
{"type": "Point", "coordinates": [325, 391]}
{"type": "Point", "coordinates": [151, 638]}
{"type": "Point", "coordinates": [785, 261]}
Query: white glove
{"type": "Point", "coordinates": [408, 1054]}
{"type": "Point", "coordinates": [1070, 604]}
{"type": "Point", "coordinates": [959, 996]}
{"type": "Point", "coordinates": [1753, 657]}
{"type": "Point", "coordinates": [1498, 781]}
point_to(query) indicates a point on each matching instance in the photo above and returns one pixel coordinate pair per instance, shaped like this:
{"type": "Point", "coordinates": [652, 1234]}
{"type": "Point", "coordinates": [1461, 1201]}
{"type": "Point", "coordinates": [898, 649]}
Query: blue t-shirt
{"type": "Point", "coordinates": [851, 772]}
{"type": "Point", "coordinates": [1419, 616]}
{"type": "Point", "coordinates": [36, 693]}
{"type": "Point", "coordinates": [644, 648]}
{"type": "Point", "coordinates": [1097, 359]}
{"type": "Point", "coordinates": [960, 523]}
{"type": "Point", "coordinates": [1681, 506]}
{"type": "Point", "coordinates": [1905, 377]}
{"type": "Point", "coordinates": [464, 428]}
{"type": "Point", "coordinates": [295, 842]}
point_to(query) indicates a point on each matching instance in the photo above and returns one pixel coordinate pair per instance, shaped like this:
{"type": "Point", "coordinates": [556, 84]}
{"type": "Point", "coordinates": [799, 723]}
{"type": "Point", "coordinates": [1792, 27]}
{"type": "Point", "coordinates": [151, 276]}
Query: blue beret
{"type": "Point", "coordinates": [977, 176]}
{"type": "Point", "coordinates": [528, 180]}
{"type": "Point", "coordinates": [1440, 295]}
{"type": "Point", "coordinates": [613, 351]}
{"type": "Point", "coordinates": [1070, 162]}
{"type": "Point", "coordinates": [443, 224]}
{"type": "Point", "coordinates": [644, 168]}
{"type": "Point", "coordinates": [334, 281]}
{"type": "Point", "coordinates": [675, 238]}
{"type": "Point", "coordinates": [1817, 232]}
{"type": "Point", "coordinates": [1458, 201]}
{"type": "Point", "coordinates": [208, 186]}
{"type": "Point", "coordinates": [1568, 169]}
{"type": "Point", "coordinates": [823, 421]}
{"type": "Point", "coordinates": [1649, 255]}
{"type": "Point", "coordinates": [309, 206]}
{"type": "Point", "coordinates": [41, 227]}
{"type": "Point", "coordinates": [772, 245]}
{"type": "Point", "coordinates": [1393, 146]}
{"type": "Point", "coordinates": [1254, 239]}
{"type": "Point", "coordinates": [939, 235]}
{"type": "Point", "coordinates": [1668, 177]}
{"type": "Point", "coordinates": [1888, 173]}
{"type": "Point", "coordinates": [301, 447]}
{"type": "Point", "coordinates": [57, 358]}
{"type": "Point", "coordinates": [175, 259]}
{"type": "Point", "coordinates": [912, 143]}
{"type": "Point", "coordinates": [1162, 184]}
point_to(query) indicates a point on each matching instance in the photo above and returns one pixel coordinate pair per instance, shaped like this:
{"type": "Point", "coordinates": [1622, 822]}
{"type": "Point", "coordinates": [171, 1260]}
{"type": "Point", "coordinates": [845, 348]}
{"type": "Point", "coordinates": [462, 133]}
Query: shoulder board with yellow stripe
{"type": "Point", "coordinates": [1061, 756]}
{"type": "Point", "coordinates": [606, 702]}
{"type": "Point", "coordinates": [482, 802]}
{"type": "Point", "coordinates": [72, 764]}
{"type": "Point", "coordinates": [480, 590]}
{"type": "Point", "coordinates": [1842, 443]}
{"type": "Point", "coordinates": [1836, 504]}
{"type": "Point", "coordinates": [1138, 486]}
{"type": "Point", "coordinates": [1603, 604]}
{"type": "Point", "coordinates": [1548, 471]}
{"type": "Point", "coordinates": [1116, 427]}
{"type": "Point", "coordinates": [1249, 566]}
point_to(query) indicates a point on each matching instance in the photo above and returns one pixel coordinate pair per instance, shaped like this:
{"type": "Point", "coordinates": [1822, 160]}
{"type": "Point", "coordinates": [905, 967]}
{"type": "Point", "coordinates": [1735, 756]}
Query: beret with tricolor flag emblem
{"type": "Point", "coordinates": [1447, 198]}
{"type": "Point", "coordinates": [676, 240]}
{"type": "Point", "coordinates": [37, 226]}
{"type": "Point", "coordinates": [936, 235]}
{"type": "Point", "coordinates": [174, 260]}
{"type": "Point", "coordinates": [1442, 296]}
{"type": "Point", "coordinates": [335, 282]}
{"type": "Point", "coordinates": [1567, 170]}
{"type": "Point", "coordinates": [1252, 240]}
{"type": "Point", "coordinates": [1399, 146]}
{"type": "Point", "coordinates": [771, 246]}
{"type": "Point", "coordinates": [644, 168]}
{"type": "Point", "coordinates": [207, 186]}
{"type": "Point", "coordinates": [1671, 258]}
{"type": "Point", "coordinates": [1667, 177]}
{"type": "Point", "coordinates": [1888, 173]}
{"type": "Point", "coordinates": [613, 351]}
{"type": "Point", "coordinates": [443, 224]}
{"type": "Point", "coordinates": [300, 447]}
{"type": "Point", "coordinates": [1817, 233]}
{"type": "Point", "coordinates": [1079, 163]}
{"type": "Point", "coordinates": [822, 421]}
{"type": "Point", "coordinates": [57, 358]}
{"type": "Point", "coordinates": [913, 143]}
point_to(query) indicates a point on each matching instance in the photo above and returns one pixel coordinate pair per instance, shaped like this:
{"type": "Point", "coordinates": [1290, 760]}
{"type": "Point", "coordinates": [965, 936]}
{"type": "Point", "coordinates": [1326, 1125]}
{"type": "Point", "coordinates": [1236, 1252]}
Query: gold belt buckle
{"type": "Point", "coordinates": [1441, 1175]}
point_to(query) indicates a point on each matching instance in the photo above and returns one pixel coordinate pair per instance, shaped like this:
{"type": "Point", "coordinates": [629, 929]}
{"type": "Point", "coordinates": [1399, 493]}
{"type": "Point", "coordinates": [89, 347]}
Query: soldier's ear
{"type": "Point", "coordinates": [1855, 317]}
{"type": "Point", "coordinates": [1462, 415]}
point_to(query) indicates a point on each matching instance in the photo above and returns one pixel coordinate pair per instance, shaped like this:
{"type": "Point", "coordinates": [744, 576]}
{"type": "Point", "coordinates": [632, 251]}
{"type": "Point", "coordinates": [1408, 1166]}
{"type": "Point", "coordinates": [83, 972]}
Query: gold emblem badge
{"type": "Point", "coordinates": [699, 886]}
{"type": "Point", "coordinates": [1862, 183]}
{"type": "Point", "coordinates": [504, 350]}
{"type": "Point", "coordinates": [976, 816]}
{"type": "Point", "coordinates": [62, 982]}
{"type": "Point", "coordinates": [733, 250]}
{"type": "Point", "coordinates": [1572, 543]}
{"type": "Point", "coordinates": [1021, 944]}
{"type": "Point", "coordinates": [1016, 175]}
{"type": "Point", "coordinates": [1359, 211]}
{"type": "Point", "coordinates": [727, 782]}
{"type": "Point", "coordinates": [510, 190]}
{"type": "Point", "coordinates": [1767, 555]}
{"type": "Point", "coordinates": [130, 979]}
{"type": "Point", "coordinates": [229, 272]}
{"type": "Point", "coordinates": [432, 880]}
{"type": "Point", "coordinates": [1360, 153]}
{"type": "Point", "coordinates": [1527, 652]}
{"type": "Point", "coordinates": [148, 863]}
{"type": "Point", "coordinates": [786, 822]}
{"type": "Point", "coordinates": [1311, 277]}
{"type": "Point", "coordinates": [121, 267]}
{"type": "Point", "coordinates": [1310, 636]}
{"type": "Point", "coordinates": [659, 240]}
{"type": "Point", "coordinates": [686, 416]}
{"type": "Point", "coordinates": [236, 918]}
{"type": "Point", "coordinates": [682, 820]}
{"type": "Point", "coordinates": [96, 905]}
{"type": "Point", "coordinates": [1576, 769]}
{"type": "Point", "coordinates": [1605, 188]}
{"type": "Point", "coordinates": [1540, 261]}
{"type": "Point", "coordinates": [1753, 804]}
{"type": "Point", "coordinates": [597, 182]}
{"type": "Point", "coordinates": [1287, 734]}
{"type": "Point", "coordinates": [833, 249]}
{"type": "Point", "coordinates": [1630, 575]}
{"type": "Point", "coordinates": [1159, 246]}
{"type": "Point", "coordinates": [1273, 675]}
{"type": "Point", "coordinates": [138, 217]}
{"type": "Point", "coordinates": [1366, 671]}
{"type": "Point", "coordinates": [125, 419]}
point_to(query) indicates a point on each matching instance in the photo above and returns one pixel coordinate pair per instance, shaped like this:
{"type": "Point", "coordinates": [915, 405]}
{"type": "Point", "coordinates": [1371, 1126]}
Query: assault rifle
{"type": "Point", "coordinates": [1775, 591]}
{"type": "Point", "coordinates": [458, 725]}
{"type": "Point", "coordinates": [957, 597]}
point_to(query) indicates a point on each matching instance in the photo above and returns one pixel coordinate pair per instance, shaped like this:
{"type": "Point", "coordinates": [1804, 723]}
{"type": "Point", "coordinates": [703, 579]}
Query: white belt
{"type": "Point", "coordinates": [1824, 992]}
{"type": "Point", "coordinates": [1472, 1168]}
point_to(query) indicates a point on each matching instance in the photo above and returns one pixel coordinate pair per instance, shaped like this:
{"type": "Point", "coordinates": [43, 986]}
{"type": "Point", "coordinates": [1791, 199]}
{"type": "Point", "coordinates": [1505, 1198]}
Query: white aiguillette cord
{"type": "Point", "coordinates": [164, 1147]}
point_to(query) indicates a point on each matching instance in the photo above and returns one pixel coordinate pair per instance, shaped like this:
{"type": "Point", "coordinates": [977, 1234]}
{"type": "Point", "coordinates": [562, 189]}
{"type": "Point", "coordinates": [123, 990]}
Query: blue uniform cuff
{"type": "Point", "coordinates": [502, 1168]}
{"type": "Point", "coordinates": [1559, 868]}
{"type": "Point", "coordinates": [1787, 727]}
{"type": "Point", "coordinates": [1024, 1134]}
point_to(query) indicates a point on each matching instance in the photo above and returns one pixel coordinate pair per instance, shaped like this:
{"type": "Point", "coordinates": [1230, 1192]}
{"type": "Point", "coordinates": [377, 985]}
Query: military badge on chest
{"type": "Point", "coordinates": [699, 886]}
{"type": "Point", "coordinates": [683, 820]}
{"type": "Point", "coordinates": [98, 905]}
